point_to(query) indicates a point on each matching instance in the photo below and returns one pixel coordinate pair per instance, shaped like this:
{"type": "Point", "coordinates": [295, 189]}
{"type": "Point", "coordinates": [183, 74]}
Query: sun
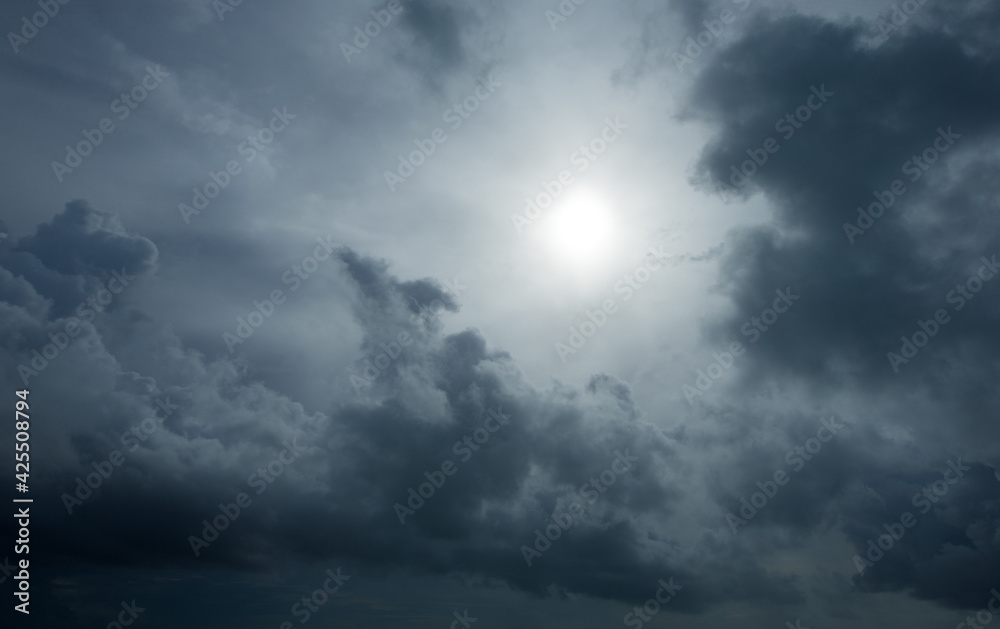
{"type": "Point", "coordinates": [580, 228]}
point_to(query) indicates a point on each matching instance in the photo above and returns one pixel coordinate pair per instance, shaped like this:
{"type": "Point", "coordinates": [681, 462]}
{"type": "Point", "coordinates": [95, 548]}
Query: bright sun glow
{"type": "Point", "coordinates": [580, 229]}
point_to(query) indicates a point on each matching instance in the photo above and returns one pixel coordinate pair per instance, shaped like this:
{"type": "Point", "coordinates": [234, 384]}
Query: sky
{"type": "Point", "coordinates": [421, 313]}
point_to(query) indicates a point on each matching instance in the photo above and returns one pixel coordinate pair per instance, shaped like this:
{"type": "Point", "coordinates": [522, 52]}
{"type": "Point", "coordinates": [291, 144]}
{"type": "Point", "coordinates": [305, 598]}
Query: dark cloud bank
{"type": "Point", "coordinates": [664, 517]}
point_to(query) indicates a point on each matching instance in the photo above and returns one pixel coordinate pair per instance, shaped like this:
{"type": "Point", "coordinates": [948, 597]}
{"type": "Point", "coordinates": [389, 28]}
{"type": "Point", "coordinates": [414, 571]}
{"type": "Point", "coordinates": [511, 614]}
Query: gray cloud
{"type": "Point", "coordinates": [383, 372]}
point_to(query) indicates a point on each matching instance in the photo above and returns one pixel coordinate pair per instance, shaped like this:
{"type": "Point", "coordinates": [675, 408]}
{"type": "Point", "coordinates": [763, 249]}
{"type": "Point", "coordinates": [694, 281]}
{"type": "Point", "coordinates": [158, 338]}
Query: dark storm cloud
{"type": "Point", "coordinates": [367, 443]}
{"type": "Point", "coordinates": [887, 105]}
{"type": "Point", "coordinates": [73, 256]}
{"type": "Point", "coordinates": [378, 289]}
{"type": "Point", "coordinates": [890, 101]}
{"type": "Point", "coordinates": [949, 554]}
{"type": "Point", "coordinates": [447, 40]}
{"type": "Point", "coordinates": [359, 459]}
{"type": "Point", "coordinates": [438, 30]}
{"type": "Point", "coordinates": [976, 22]}
{"type": "Point", "coordinates": [81, 241]}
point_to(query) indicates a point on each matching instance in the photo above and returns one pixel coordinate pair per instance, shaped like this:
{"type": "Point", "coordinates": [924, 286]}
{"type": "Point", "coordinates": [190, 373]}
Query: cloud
{"type": "Point", "coordinates": [890, 102]}
{"type": "Point", "coordinates": [429, 403]}
{"type": "Point", "coordinates": [361, 456]}
{"type": "Point", "coordinates": [437, 28]}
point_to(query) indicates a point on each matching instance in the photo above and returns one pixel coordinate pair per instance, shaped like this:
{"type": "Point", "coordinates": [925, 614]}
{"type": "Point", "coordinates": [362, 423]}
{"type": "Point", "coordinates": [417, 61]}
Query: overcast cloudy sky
{"type": "Point", "coordinates": [422, 313]}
